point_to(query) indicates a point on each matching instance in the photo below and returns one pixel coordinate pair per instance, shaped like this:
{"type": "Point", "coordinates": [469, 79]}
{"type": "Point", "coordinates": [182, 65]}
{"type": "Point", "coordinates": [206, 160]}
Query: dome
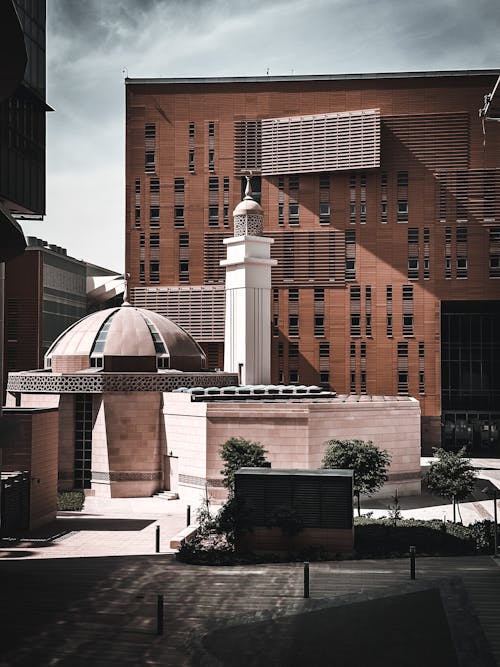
{"type": "Point", "coordinates": [125, 339]}
{"type": "Point", "coordinates": [248, 215]}
{"type": "Point", "coordinates": [248, 207]}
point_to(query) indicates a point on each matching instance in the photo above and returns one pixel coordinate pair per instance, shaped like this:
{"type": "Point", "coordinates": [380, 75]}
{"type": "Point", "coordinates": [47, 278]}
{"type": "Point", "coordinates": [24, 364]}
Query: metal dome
{"type": "Point", "coordinates": [125, 339]}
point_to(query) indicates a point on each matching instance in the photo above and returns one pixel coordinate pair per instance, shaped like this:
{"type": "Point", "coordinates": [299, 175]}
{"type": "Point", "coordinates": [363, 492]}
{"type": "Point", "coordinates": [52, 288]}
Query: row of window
{"type": "Point", "coordinates": [150, 147]}
{"type": "Point", "coordinates": [214, 207]}
{"type": "Point", "coordinates": [289, 368]}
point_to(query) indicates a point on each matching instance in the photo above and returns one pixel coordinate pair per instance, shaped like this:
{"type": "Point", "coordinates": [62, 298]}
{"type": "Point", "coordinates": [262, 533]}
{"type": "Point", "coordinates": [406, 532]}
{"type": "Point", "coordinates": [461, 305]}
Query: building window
{"type": "Point", "coordinates": [461, 252]}
{"type": "Point", "coordinates": [403, 369]}
{"type": "Point", "coordinates": [293, 325]}
{"type": "Point", "coordinates": [494, 252]}
{"type": "Point", "coordinates": [154, 216]}
{"type": "Point", "coordinates": [362, 378]}
{"type": "Point", "coordinates": [184, 257]}
{"type": "Point", "coordinates": [421, 368]}
{"type": "Point", "coordinates": [368, 310]}
{"type": "Point", "coordinates": [226, 201]}
{"type": "Point", "coordinates": [402, 210]}
{"type": "Point", "coordinates": [402, 179]}
{"type": "Point", "coordinates": [461, 267]}
{"type": "Point", "coordinates": [494, 266]}
{"type": "Point", "coordinates": [293, 363]}
{"type": "Point", "coordinates": [355, 308]}
{"type": "Point", "coordinates": [137, 216]}
{"type": "Point", "coordinates": [213, 201]}
{"type": "Point", "coordinates": [324, 364]}
{"type": "Point", "coordinates": [83, 441]}
{"type": "Point", "coordinates": [407, 310]}
{"type": "Point", "coordinates": [293, 312]}
{"type": "Point", "coordinates": [154, 272]}
{"type": "Point", "coordinates": [275, 311]}
{"type": "Point", "coordinates": [324, 199]}
{"type": "Point", "coordinates": [211, 146]}
{"type": "Point", "coordinates": [352, 199]}
{"type": "Point", "coordinates": [362, 203]}
{"type": "Point", "coordinates": [427, 250]}
{"type": "Point", "coordinates": [350, 255]}
{"type": "Point", "coordinates": [191, 148]}
{"type": "Point", "coordinates": [150, 148]}
{"type": "Point", "coordinates": [352, 368]}
{"type": "Point", "coordinates": [281, 199]}
{"type": "Point", "coordinates": [413, 252]}
{"type": "Point", "coordinates": [389, 310]}
{"type": "Point", "coordinates": [412, 267]}
{"type": "Point", "coordinates": [383, 192]}
{"type": "Point", "coordinates": [293, 200]}
{"type": "Point", "coordinates": [447, 246]}
{"type": "Point", "coordinates": [179, 202]}
{"type": "Point", "coordinates": [319, 311]}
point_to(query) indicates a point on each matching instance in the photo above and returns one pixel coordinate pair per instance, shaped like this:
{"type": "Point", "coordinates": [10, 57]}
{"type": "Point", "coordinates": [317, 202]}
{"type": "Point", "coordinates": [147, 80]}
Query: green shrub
{"type": "Point", "coordinates": [70, 501]}
{"type": "Point", "coordinates": [381, 538]}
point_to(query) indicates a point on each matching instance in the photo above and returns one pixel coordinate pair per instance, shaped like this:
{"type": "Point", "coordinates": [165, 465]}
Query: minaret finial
{"type": "Point", "coordinates": [126, 276]}
{"type": "Point", "coordinates": [248, 188]}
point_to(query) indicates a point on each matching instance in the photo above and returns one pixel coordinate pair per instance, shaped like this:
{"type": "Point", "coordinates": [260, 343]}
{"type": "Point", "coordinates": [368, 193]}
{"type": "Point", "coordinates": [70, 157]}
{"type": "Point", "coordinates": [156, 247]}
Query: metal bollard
{"type": "Point", "coordinates": [412, 562]}
{"type": "Point", "coordinates": [188, 515]}
{"type": "Point", "coordinates": [306, 579]}
{"type": "Point", "coordinates": [157, 539]}
{"type": "Point", "coordinates": [159, 614]}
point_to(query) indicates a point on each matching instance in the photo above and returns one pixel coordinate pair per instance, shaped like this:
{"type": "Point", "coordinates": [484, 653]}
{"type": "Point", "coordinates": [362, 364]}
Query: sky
{"type": "Point", "coordinates": [93, 44]}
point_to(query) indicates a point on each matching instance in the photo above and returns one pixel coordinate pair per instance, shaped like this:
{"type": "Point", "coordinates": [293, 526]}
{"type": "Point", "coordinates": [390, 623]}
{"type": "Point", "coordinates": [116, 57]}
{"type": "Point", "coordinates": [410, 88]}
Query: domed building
{"type": "Point", "coordinates": [138, 411]}
{"type": "Point", "coordinates": [107, 374]}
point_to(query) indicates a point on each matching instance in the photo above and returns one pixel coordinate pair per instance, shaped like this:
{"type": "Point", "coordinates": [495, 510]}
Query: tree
{"type": "Point", "coordinates": [240, 453]}
{"type": "Point", "coordinates": [451, 476]}
{"type": "Point", "coordinates": [368, 462]}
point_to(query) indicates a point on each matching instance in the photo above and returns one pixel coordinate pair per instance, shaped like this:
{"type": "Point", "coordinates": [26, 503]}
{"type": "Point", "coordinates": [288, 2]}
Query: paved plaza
{"type": "Point", "coordinates": [84, 591]}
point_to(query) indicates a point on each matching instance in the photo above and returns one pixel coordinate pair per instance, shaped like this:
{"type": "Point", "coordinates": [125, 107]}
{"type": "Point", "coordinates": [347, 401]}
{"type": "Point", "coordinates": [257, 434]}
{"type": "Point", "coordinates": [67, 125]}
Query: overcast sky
{"type": "Point", "coordinates": [90, 42]}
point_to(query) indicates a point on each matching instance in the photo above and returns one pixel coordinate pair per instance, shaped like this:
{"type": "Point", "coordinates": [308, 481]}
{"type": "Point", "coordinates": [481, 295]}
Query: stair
{"type": "Point", "coordinates": [166, 495]}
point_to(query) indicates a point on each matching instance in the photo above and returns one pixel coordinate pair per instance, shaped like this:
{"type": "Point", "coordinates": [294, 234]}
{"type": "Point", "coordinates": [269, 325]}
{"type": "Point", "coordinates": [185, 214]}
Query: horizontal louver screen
{"type": "Point", "coordinates": [326, 142]}
{"type": "Point", "coordinates": [198, 309]}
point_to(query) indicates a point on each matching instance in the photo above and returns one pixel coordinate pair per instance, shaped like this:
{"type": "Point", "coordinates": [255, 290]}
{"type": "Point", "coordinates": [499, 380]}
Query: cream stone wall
{"type": "Point", "coordinates": [127, 430]}
{"type": "Point", "coordinates": [186, 437]}
{"type": "Point", "coordinates": [294, 433]}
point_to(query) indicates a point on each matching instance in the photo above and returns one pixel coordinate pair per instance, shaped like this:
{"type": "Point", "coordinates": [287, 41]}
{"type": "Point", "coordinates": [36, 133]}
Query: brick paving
{"type": "Point", "coordinates": [89, 598]}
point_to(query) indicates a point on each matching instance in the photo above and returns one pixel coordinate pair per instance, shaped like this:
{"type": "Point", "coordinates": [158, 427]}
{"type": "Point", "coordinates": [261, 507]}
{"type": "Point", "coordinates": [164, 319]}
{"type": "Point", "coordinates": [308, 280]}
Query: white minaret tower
{"type": "Point", "coordinates": [247, 341]}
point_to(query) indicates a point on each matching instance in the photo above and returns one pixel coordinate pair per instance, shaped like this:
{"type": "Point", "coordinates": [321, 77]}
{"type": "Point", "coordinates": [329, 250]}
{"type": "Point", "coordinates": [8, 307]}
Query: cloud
{"type": "Point", "coordinates": [90, 42]}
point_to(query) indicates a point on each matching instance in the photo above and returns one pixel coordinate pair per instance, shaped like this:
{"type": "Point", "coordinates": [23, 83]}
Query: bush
{"type": "Point", "coordinates": [381, 538]}
{"type": "Point", "coordinates": [70, 501]}
{"type": "Point", "coordinates": [240, 453]}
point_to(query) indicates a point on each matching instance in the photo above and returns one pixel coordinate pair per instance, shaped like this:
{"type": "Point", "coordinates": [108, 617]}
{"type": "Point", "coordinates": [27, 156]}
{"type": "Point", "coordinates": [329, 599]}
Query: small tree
{"type": "Point", "coordinates": [240, 453]}
{"type": "Point", "coordinates": [451, 476]}
{"type": "Point", "coordinates": [368, 462]}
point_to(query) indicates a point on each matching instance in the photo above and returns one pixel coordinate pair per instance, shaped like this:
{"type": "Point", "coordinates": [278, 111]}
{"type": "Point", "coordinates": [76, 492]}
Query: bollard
{"type": "Point", "coordinates": [157, 539]}
{"type": "Point", "coordinates": [188, 515]}
{"type": "Point", "coordinates": [412, 562]}
{"type": "Point", "coordinates": [159, 614]}
{"type": "Point", "coordinates": [306, 579]}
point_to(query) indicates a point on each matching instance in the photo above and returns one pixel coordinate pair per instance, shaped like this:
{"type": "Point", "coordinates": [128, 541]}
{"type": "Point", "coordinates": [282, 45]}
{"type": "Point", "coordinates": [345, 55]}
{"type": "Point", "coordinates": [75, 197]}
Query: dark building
{"type": "Point", "coordinates": [22, 121]}
{"type": "Point", "coordinates": [46, 291]}
{"type": "Point", "coordinates": [382, 194]}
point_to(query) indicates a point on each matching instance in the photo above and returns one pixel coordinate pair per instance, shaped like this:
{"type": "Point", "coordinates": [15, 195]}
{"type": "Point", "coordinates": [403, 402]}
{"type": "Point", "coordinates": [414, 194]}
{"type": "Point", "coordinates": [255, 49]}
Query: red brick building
{"type": "Point", "coordinates": [382, 194]}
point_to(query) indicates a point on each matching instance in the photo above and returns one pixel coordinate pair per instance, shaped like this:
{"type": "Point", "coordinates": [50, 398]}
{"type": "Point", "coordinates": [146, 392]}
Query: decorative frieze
{"type": "Point", "coordinates": [98, 383]}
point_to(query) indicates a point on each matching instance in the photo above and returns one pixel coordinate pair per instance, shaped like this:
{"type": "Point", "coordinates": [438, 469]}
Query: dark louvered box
{"type": "Point", "coordinates": [294, 509]}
